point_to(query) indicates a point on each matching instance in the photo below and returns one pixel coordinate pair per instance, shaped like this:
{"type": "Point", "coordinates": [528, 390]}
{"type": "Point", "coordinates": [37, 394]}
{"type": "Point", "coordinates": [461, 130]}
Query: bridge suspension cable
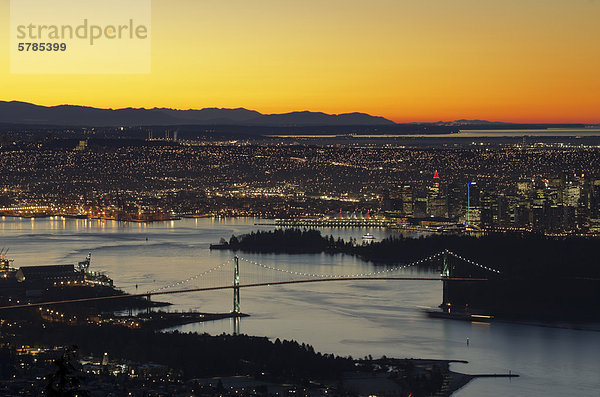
{"type": "Point", "coordinates": [489, 269]}
{"type": "Point", "coordinates": [315, 278]}
{"type": "Point", "coordinates": [375, 273]}
{"type": "Point", "coordinates": [325, 276]}
{"type": "Point", "coordinates": [192, 278]}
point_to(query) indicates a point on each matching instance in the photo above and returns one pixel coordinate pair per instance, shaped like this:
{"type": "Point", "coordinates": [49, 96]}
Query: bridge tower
{"type": "Point", "coordinates": [446, 273]}
{"type": "Point", "coordinates": [446, 268]}
{"type": "Point", "coordinates": [236, 283]}
{"type": "Point", "coordinates": [235, 322]}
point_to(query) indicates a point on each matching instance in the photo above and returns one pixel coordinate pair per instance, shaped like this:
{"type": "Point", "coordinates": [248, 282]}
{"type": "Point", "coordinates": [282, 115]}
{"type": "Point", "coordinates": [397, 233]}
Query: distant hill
{"type": "Point", "coordinates": [317, 118]}
{"type": "Point", "coordinates": [463, 122]}
{"type": "Point", "coordinates": [79, 116]}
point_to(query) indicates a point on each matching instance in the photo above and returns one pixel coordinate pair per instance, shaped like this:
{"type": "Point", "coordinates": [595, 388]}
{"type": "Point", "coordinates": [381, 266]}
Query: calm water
{"type": "Point", "coordinates": [550, 132]}
{"type": "Point", "coordinates": [495, 133]}
{"type": "Point", "coordinates": [346, 318]}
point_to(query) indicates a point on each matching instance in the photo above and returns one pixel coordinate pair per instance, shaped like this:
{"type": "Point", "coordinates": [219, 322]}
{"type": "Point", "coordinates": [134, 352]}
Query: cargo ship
{"type": "Point", "coordinates": [34, 284]}
{"type": "Point", "coordinates": [29, 281]}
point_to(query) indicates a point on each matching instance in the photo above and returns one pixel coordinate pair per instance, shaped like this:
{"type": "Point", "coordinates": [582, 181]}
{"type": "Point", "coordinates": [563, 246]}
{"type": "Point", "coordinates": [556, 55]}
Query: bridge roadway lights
{"type": "Point", "coordinates": [446, 277]}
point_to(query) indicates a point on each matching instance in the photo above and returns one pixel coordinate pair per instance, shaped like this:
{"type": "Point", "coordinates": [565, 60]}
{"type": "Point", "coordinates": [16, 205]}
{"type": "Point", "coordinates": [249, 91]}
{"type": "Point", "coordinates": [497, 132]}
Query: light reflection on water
{"type": "Point", "coordinates": [348, 318]}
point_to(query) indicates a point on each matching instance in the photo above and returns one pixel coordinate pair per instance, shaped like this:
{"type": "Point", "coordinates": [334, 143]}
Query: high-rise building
{"type": "Point", "coordinates": [406, 197]}
{"type": "Point", "coordinates": [437, 204]}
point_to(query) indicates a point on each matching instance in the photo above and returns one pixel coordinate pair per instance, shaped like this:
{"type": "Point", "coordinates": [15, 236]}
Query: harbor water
{"type": "Point", "coordinates": [356, 318]}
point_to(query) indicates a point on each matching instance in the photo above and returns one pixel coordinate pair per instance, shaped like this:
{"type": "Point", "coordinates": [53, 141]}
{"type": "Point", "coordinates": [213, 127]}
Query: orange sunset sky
{"type": "Point", "coordinates": [425, 60]}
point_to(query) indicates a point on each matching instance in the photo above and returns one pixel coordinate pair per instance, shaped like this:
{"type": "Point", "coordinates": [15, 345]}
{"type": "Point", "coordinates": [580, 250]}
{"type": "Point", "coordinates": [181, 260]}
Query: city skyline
{"type": "Point", "coordinates": [541, 186]}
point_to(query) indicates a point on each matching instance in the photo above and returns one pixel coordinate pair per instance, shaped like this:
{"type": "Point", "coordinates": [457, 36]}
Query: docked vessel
{"type": "Point", "coordinates": [31, 281]}
{"type": "Point", "coordinates": [5, 268]}
{"type": "Point", "coordinates": [459, 315]}
{"type": "Point", "coordinates": [62, 283]}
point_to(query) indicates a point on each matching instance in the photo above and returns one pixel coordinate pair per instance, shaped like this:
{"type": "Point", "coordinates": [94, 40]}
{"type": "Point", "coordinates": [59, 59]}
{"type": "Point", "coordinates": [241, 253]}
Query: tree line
{"type": "Point", "coordinates": [513, 254]}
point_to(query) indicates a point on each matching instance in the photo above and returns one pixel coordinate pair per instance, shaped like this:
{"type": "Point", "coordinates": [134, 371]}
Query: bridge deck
{"type": "Point", "coordinates": [223, 287]}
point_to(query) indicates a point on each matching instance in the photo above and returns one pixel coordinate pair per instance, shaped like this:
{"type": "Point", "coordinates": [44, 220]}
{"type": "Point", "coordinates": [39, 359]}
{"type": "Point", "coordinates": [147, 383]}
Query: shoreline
{"type": "Point", "coordinates": [461, 316]}
{"type": "Point", "coordinates": [316, 223]}
{"type": "Point", "coordinates": [164, 321]}
{"type": "Point", "coordinates": [452, 380]}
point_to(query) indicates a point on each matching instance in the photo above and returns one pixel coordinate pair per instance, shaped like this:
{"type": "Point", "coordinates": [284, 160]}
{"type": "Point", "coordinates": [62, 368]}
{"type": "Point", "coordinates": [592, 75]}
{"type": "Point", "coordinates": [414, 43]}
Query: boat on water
{"type": "Point", "coordinates": [459, 315]}
{"type": "Point", "coordinates": [368, 236]}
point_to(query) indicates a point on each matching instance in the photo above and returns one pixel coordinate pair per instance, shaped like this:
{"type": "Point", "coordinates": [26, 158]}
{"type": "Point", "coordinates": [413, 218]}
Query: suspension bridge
{"type": "Point", "coordinates": [264, 275]}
